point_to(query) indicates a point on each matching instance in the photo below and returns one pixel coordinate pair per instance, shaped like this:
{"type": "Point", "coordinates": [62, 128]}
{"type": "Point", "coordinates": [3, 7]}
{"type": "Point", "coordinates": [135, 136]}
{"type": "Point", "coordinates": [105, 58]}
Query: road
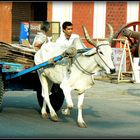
{"type": "Point", "coordinates": [110, 111]}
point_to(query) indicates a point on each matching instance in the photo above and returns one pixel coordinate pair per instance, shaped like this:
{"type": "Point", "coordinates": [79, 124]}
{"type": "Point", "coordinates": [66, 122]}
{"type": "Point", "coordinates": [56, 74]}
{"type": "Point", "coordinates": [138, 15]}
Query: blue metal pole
{"type": "Point", "coordinates": [44, 64]}
{"type": "Point", "coordinates": [14, 75]}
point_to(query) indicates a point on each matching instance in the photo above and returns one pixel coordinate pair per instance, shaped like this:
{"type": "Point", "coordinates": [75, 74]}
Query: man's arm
{"type": "Point", "coordinates": [38, 41]}
{"type": "Point", "coordinates": [37, 45]}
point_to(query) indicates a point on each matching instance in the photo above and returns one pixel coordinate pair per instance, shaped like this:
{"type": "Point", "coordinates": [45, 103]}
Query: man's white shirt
{"type": "Point", "coordinates": [40, 37]}
{"type": "Point", "coordinates": [67, 42]}
{"type": "Point", "coordinates": [51, 49]}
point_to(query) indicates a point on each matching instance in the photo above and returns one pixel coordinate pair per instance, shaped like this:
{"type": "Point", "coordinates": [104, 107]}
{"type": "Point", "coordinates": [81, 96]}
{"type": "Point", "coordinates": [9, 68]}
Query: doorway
{"type": "Point", "coordinates": [39, 11]}
{"type": "Point", "coordinates": [24, 12]}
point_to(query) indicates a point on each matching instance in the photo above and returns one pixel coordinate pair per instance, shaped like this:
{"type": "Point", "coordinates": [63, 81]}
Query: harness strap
{"type": "Point", "coordinates": [70, 61]}
{"type": "Point", "coordinates": [100, 56]}
{"type": "Point", "coordinates": [82, 69]}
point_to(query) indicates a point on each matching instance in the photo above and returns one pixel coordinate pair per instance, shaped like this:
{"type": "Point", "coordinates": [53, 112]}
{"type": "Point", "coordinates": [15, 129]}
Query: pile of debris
{"type": "Point", "coordinates": [16, 53]}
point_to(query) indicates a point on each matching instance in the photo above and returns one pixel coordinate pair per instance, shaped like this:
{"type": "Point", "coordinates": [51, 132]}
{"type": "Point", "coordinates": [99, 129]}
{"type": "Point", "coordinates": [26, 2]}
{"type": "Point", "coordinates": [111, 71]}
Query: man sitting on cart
{"type": "Point", "coordinates": [68, 36]}
{"type": "Point", "coordinates": [67, 41]}
{"type": "Point", "coordinates": [41, 36]}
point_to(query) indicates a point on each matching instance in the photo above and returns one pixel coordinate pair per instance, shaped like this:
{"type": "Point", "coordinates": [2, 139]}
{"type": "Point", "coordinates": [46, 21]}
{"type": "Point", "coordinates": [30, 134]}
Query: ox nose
{"type": "Point", "coordinates": [112, 71]}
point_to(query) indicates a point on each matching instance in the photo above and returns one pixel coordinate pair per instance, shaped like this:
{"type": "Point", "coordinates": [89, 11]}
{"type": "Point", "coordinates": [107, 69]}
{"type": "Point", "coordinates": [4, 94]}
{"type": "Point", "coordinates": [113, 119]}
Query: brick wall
{"type": "Point", "coordinates": [116, 14]}
{"type": "Point", "coordinates": [139, 16]}
{"type": "Point", "coordinates": [5, 21]}
{"type": "Point", "coordinates": [49, 9]}
{"type": "Point", "coordinates": [83, 15]}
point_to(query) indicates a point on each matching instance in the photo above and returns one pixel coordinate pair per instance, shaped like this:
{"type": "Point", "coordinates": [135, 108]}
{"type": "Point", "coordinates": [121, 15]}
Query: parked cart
{"type": "Point", "coordinates": [18, 77]}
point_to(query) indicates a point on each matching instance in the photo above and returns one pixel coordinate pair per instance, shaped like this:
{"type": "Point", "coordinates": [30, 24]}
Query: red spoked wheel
{"type": "Point", "coordinates": [133, 42]}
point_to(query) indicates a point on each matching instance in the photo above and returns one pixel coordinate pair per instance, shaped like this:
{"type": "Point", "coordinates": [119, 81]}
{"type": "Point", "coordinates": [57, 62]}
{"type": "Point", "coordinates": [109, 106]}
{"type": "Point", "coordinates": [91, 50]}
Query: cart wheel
{"type": "Point", "coordinates": [134, 44]}
{"type": "Point", "coordinates": [1, 92]}
{"type": "Point", "coordinates": [56, 98]}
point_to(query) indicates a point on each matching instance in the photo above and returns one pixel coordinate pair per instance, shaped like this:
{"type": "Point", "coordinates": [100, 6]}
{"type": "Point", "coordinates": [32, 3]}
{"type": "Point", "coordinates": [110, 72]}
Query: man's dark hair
{"type": "Point", "coordinates": [65, 24]}
{"type": "Point", "coordinates": [45, 26]}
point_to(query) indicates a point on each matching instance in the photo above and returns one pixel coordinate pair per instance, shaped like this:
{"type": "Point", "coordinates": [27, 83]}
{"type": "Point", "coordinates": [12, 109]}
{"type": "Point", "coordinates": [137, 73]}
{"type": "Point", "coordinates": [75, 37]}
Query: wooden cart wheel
{"type": "Point", "coordinates": [56, 98]}
{"type": "Point", "coordinates": [1, 91]}
{"type": "Point", "coordinates": [133, 43]}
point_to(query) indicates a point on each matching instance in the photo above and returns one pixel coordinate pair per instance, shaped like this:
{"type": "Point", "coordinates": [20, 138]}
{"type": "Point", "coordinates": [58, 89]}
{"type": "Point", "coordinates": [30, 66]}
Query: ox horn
{"type": "Point", "coordinates": [111, 32]}
{"type": "Point", "coordinates": [87, 37]}
{"type": "Point", "coordinates": [93, 42]}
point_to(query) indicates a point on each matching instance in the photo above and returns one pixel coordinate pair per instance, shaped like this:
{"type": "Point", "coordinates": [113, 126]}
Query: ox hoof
{"type": "Point", "coordinates": [82, 125]}
{"type": "Point", "coordinates": [45, 116]}
{"type": "Point", "coordinates": [54, 118]}
{"type": "Point", "coordinates": [65, 112]}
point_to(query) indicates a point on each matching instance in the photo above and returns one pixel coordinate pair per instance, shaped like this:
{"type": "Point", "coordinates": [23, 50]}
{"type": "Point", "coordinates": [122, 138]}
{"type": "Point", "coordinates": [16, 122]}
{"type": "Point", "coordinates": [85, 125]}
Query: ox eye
{"type": "Point", "coordinates": [101, 53]}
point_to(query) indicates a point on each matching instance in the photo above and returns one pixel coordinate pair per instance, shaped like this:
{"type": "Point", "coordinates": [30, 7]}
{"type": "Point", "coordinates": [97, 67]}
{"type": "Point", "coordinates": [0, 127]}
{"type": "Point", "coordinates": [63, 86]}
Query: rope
{"type": "Point", "coordinates": [100, 56]}
{"type": "Point", "coordinates": [82, 69]}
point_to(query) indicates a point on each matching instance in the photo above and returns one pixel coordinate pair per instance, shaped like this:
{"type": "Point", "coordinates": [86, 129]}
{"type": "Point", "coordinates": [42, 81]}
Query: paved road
{"type": "Point", "coordinates": [110, 111]}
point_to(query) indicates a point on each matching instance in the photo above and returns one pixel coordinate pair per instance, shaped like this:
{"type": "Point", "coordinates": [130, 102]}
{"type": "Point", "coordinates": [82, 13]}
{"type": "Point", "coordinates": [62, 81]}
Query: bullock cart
{"type": "Point", "coordinates": [18, 73]}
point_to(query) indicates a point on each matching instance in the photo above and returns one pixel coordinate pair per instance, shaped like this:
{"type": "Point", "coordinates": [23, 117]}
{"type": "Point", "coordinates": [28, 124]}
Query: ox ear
{"type": "Point", "coordinates": [90, 52]}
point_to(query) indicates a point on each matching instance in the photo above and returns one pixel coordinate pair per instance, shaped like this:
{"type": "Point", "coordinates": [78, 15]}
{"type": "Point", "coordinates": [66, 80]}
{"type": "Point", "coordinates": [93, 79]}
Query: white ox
{"type": "Point", "coordinates": [77, 76]}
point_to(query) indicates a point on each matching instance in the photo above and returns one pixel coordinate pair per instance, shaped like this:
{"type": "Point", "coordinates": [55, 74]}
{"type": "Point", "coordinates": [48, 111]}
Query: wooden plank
{"type": "Point", "coordinates": [16, 53]}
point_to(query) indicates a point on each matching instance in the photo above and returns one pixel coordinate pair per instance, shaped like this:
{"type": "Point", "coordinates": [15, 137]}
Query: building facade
{"type": "Point", "coordinates": [93, 14]}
